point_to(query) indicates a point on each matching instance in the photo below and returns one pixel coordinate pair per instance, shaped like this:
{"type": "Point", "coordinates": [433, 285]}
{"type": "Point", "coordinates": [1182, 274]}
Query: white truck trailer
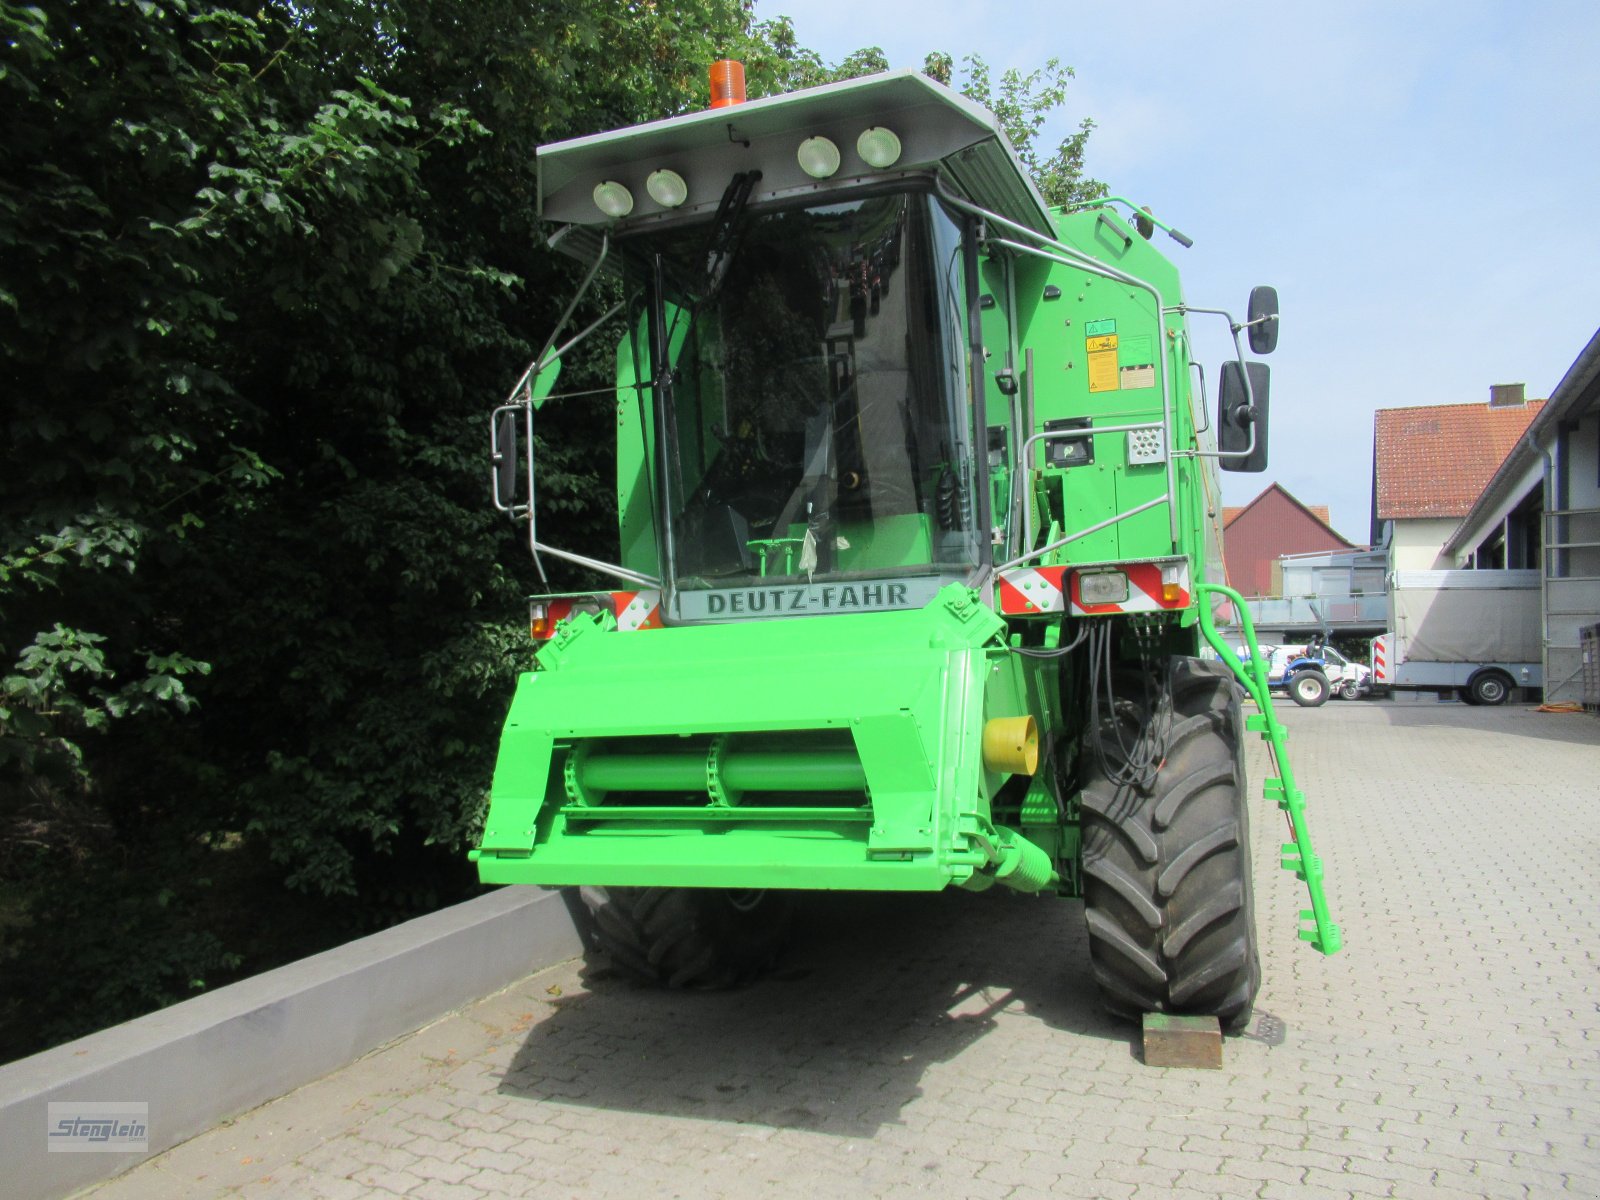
{"type": "Point", "coordinates": [1474, 633]}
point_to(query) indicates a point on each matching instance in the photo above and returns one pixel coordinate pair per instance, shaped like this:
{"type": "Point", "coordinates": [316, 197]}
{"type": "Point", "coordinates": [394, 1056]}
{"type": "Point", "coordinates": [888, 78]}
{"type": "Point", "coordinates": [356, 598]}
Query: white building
{"type": "Point", "coordinates": [1541, 508]}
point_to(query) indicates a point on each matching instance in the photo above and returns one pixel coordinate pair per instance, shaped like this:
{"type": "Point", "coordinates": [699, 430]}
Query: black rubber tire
{"type": "Point", "coordinates": [1490, 687]}
{"type": "Point", "coordinates": [689, 937]}
{"type": "Point", "coordinates": [1350, 689]}
{"type": "Point", "coordinates": [1465, 696]}
{"type": "Point", "coordinates": [1309, 689]}
{"type": "Point", "coordinates": [1167, 885]}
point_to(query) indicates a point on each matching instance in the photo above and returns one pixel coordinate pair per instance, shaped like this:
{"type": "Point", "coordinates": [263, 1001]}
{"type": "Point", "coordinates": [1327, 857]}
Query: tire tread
{"type": "Point", "coordinates": [1168, 902]}
{"type": "Point", "coordinates": [687, 937]}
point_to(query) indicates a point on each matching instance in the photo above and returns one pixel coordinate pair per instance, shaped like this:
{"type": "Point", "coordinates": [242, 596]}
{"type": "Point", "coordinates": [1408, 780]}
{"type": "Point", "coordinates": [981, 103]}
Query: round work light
{"type": "Point", "coordinates": [819, 158]}
{"type": "Point", "coordinates": [613, 199]}
{"type": "Point", "coordinates": [667, 188]}
{"type": "Point", "coordinates": [878, 147]}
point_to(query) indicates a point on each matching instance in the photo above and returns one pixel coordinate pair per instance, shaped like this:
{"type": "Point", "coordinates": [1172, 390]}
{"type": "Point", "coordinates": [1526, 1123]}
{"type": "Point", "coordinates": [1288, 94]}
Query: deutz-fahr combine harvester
{"type": "Point", "coordinates": [918, 500]}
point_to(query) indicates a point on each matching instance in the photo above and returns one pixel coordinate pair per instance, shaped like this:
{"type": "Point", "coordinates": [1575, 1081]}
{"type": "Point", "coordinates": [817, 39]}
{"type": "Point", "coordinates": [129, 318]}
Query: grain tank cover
{"type": "Point", "coordinates": [940, 132]}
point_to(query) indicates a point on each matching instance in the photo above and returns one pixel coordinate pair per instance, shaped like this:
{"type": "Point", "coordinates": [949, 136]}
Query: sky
{"type": "Point", "coordinates": [1420, 181]}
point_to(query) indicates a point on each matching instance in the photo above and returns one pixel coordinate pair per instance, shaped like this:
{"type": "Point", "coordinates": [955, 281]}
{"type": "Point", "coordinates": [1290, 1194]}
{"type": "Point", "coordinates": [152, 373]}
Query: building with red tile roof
{"type": "Point", "coordinates": [1429, 466]}
{"type": "Point", "coordinates": [1256, 535]}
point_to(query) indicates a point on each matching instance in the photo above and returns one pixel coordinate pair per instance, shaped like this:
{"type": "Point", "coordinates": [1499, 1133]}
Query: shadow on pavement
{"type": "Point", "coordinates": [874, 990]}
{"type": "Point", "coordinates": [1511, 720]}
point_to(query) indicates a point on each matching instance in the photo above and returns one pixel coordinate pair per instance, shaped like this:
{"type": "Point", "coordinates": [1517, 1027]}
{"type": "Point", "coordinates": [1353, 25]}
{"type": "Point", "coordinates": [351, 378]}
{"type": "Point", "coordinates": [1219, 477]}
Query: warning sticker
{"type": "Point", "coordinates": [1139, 377]}
{"type": "Point", "coordinates": [1136, 351]}
{"type": "Point", "coordinates": [1094, 344]}
{"type": "Point", "coordinates": [1103, 371]}
{"type": "Point", "coordinates": [1099, 328]}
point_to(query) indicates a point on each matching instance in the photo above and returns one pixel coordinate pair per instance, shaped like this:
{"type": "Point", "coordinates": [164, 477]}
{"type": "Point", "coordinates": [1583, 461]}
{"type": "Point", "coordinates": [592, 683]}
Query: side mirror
{"type": "Point", "coordinates": [1263, 319]}
{"type": "Point", "coordinates": [503, 456]}
{"type": "Point", "coordinates": [1242, 417]}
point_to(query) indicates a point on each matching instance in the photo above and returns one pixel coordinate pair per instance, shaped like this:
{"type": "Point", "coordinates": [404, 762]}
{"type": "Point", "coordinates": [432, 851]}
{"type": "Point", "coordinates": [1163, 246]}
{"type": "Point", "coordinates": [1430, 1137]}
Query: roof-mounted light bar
{"type": "Point", "coordinates": [819, 157]}
{"type": "Point", "coordinates": [899, 121]}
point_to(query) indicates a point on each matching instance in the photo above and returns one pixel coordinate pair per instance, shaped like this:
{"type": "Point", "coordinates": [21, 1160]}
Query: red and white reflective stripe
{"type": "Point", "coordinates": [1032, 590]}
{"type": "Point", "coordinates": [633, 610]}
{"type": "Point", "coordinates": [545, 615]}
{"type": "Point", "coordinates": [638, 610]}
{"type": "Point", "coordinates": [1380, 658]}
{"type": "Point", "coordinates": [1148, 588]}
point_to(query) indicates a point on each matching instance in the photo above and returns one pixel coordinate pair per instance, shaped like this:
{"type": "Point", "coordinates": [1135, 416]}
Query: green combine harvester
{"type": "Point", "coordinates": [918, 499]}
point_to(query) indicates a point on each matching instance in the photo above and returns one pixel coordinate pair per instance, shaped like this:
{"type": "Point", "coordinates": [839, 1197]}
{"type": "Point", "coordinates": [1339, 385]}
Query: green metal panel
{"type": "Point", "coordinates": [635, 459]}
{"type": "Point", "coordinates": [905, 689]}
{"type": "Point", "coordinates": [1101, 349]}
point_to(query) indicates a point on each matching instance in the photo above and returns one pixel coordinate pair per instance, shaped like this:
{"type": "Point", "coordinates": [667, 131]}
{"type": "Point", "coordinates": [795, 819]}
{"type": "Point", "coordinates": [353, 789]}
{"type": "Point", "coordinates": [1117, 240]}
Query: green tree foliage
{"type": "Point", "coordinates": [264, 269]}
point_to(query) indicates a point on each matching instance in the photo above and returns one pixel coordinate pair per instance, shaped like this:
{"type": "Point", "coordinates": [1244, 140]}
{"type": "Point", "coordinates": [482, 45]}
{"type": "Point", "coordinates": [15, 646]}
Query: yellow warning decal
{"type": "Point", "coordinates": [1095, 344]}
{"type": "Point", "coordinates": [1103, 371]}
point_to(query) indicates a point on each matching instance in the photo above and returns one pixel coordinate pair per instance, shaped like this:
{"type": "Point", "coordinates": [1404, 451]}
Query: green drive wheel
{"type": "Point", "coordinates": [689, 937]}
{"type": "Point", "coordinates": [1167, 887]}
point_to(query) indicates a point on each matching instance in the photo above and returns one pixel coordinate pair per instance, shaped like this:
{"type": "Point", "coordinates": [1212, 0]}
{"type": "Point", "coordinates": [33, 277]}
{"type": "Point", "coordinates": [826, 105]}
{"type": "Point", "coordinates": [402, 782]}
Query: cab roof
{"type": "Point", "coordinates": [940, 132]}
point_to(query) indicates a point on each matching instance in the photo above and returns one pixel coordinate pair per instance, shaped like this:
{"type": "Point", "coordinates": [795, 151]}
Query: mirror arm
{"type": "Point", "coordinates": [542, 359]}
{"type": "Point", "coordinates": [1238, 351]}
{"type": "Point", "coordinates": [1221, 454]}
{"type": "Point", "coordinates": [1258, 321]}
{"type": "Point", "coordinates": [533, 536]}
{"type": "Point", "coordinates": [554, 356]}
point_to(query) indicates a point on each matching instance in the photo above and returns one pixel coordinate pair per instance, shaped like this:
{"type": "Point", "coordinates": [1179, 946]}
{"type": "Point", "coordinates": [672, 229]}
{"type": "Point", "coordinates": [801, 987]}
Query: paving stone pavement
{"type": "Point", "coordinates": [951, 1046]}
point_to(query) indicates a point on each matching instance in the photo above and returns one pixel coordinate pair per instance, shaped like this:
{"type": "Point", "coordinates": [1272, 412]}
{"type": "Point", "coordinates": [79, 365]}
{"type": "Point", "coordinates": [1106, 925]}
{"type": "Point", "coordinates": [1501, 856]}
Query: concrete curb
{"type": "Point", "coordinates": [202, 1061]}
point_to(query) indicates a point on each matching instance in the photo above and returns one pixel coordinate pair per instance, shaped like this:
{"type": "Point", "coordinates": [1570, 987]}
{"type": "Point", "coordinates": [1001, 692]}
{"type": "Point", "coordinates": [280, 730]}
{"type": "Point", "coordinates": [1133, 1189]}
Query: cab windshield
{"type": "Point", "coordinates": [815, 426]}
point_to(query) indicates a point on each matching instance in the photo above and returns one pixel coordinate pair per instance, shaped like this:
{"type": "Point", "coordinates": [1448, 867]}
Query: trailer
{"type": "Point", "coordinates": [1472, 634]}
{"type": "Point", "coordinates": [917, 550]}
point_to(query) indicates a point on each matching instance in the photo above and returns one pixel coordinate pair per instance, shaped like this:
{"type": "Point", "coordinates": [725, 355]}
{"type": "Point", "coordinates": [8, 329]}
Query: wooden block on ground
{"type": "Point", "coordinates": [1182, 1041]}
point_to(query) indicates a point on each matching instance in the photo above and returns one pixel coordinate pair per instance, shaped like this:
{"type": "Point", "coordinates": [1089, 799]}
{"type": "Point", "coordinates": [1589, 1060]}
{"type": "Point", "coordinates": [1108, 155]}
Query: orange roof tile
{"type": "Point", "coordinates": [1433, 461]}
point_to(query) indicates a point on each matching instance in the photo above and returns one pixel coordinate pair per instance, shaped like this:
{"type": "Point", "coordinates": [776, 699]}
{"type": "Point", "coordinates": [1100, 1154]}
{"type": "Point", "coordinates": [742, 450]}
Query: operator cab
{"type": "Point", "coordinates": [815, 423]}
{"type": "Point", "coordinates": [814, 290]}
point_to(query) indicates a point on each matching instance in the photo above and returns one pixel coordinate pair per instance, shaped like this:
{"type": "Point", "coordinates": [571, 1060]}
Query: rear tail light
{"type": "Point", "coordinates": [545, 615]}
{"type": "Point", "coordinates": [540, 623]}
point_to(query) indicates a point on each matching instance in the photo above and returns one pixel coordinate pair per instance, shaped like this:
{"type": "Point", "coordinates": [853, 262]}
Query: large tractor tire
{"type": "Point", "coordinates": [1167, 889]}
{"type": "Point", "coordinates": [688, 937]}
